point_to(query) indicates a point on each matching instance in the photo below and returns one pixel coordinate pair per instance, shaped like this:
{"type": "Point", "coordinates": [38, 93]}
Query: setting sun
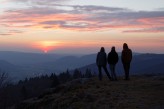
{"type": "Point", "coordinates": [45, 51]}
{"type": "Point", "coordinates": [46, 46]}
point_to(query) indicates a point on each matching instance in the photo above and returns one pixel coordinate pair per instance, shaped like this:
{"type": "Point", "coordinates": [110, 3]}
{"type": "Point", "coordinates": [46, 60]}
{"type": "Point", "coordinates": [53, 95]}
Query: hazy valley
{"type": "Point", "coordinates": [19, 65]}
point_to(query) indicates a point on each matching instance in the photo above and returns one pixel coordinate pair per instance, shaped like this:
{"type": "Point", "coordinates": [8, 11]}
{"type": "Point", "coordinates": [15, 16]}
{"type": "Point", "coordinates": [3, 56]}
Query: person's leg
{"type": "Point", "coordinates": [111, 69]}
{"type": "Point", "coordinates": [114, 73]}
{"type": "Point", "coordinates": [128, 69]}
{"type": "Point", "coordinates": [106, 71]}
{"type": "Point", "coordinates": [100, 73]}
{"type": "Point", "coordinates": [125, 70]}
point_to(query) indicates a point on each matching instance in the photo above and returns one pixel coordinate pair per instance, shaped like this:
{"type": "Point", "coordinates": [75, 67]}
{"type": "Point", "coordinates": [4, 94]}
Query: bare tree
{"type": "Point", "coordinates": [3, 79]}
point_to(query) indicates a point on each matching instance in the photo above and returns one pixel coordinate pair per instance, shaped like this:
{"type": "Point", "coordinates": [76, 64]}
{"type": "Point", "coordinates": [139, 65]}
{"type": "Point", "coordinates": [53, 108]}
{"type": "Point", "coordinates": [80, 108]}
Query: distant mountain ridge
{"type": "Point", "coordinates": [4, 65]}
{"type": "Point", "coordinates": [20, 65]}
{"type": "Point", "coordinates": [19, 58]}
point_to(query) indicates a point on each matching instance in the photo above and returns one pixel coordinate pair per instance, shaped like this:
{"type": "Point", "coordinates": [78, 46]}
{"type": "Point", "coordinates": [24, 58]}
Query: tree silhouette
{"type": "Point", "coordinates": [55, 80]}
{"type": "Point", "coordinates": [3, 79]}
{"type": "Point", "coordinates": [24, 92]}
{"type": "Point", "coordinates": [77, 74]}
{"type": "Point", "coordinates": [88, 73]}
{"type": "Point", "coordinates": [65, 76]}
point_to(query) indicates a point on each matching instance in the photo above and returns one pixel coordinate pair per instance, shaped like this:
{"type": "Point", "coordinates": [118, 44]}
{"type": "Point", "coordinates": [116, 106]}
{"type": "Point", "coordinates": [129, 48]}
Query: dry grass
{"type": "Point", "coordinates": [138, 93]}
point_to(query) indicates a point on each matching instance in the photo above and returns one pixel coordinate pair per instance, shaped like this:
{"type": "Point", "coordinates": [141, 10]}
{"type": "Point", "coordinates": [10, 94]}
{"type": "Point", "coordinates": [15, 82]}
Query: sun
{"type": "Point", "coordinates": [46, 46]}
{"type": "Point", "coordinates": [45, 51]}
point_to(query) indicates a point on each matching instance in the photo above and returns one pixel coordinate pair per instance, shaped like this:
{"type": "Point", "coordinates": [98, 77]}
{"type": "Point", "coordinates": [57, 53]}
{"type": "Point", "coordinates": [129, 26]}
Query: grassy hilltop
{"type": "Point", "coordinates": [140, 92]}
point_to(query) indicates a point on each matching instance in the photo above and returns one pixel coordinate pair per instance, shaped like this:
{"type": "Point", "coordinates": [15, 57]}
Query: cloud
{"type": "Point", "coordinates": [39, 2]}
{"type": "Point", "coordinates": [149, 30]}
{"type": "Point", "coordinates": [87, 18]}
{"type": "Point", "coordinates": [15, 31]}
{"type": "Point", "coordinates": [11, 32]}
{"type": "Point", "coordinates": [97, 9]}
{"type": "Point", "coordinates": [5, 34]}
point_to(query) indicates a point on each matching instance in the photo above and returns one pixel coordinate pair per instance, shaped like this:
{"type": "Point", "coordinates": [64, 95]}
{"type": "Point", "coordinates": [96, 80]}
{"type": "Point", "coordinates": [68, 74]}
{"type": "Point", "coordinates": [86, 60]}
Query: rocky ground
{"type": "Point", "coordinates": [141, 92]}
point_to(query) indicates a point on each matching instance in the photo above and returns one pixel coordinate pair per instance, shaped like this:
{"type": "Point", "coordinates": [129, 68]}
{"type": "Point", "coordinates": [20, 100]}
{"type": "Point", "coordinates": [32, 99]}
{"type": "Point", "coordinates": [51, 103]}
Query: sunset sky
{"type": "Point", "coordinates": [81, 26]}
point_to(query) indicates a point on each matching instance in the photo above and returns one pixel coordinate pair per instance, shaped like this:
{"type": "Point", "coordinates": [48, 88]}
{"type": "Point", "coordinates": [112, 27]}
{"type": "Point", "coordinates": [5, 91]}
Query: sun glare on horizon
{"type": "Point", "coordinates": [45, 51]}
{"type": "Point", "coordinates": [47, 46]}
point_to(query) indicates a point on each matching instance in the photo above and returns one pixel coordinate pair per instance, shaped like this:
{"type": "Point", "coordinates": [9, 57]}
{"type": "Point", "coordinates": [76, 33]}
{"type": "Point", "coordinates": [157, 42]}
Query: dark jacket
{"type": "Point", "coordinates": [112, 58]}
{"type": "Point", "coordinates": [101, 59]}
{"type": "Point", "coordinates": [126, 55]}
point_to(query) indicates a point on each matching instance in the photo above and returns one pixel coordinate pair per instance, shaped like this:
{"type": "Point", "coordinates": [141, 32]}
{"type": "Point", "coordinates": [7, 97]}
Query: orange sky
{"type": "Point", "coordinates": [66, 27]}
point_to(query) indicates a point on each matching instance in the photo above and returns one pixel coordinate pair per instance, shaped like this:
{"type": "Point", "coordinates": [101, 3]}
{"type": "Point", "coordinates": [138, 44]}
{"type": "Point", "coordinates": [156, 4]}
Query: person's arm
{"type": "Point", "coordinates": [117, 57]}
{"type": "Point", "coordinates": [122, 56]}
{"type": "Point", "coordinates": [97, 58]}
{"type": "Point", "coordinates": [105, 59]}
{"type": "Point", "coordinates": [131, 54]}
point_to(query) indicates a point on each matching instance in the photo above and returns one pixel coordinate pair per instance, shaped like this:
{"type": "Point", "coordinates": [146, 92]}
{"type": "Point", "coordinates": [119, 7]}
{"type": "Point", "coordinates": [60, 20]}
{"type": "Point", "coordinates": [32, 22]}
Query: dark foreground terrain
{"type": "Point", "coordinates": [141, 92]}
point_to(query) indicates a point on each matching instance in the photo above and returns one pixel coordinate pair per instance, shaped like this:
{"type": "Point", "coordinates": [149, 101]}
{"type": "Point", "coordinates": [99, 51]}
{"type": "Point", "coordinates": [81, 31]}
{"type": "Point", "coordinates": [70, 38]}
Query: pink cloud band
{"type": "Point", "coordinates": [85, 18]}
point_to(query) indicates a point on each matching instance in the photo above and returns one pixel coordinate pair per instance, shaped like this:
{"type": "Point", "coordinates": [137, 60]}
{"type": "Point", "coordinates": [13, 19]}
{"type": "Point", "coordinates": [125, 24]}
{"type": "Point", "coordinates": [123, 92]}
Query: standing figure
{"type": "Point", "coordinates": [112, 61]}
{"type": "Point", "coordinates": [101, 62]}
{"type": "Point", "coordinates": [126, 57]}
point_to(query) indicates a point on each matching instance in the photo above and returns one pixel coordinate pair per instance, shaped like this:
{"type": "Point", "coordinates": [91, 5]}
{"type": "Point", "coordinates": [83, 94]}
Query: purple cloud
{"type": "Point", "coordinates": [11, 32]}
{"type": "Point", "coordinates": [85, 18]}
{"type": "Point", "coordinates": [149, 30]}
{"type": "Point", "coordinates": [5, 34]}
{"type": "Point", "coordinates": [39, 2]}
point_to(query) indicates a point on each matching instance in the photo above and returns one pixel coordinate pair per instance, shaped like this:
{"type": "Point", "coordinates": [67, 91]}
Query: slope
{"type": "Point", "coordinates": [139, 93]}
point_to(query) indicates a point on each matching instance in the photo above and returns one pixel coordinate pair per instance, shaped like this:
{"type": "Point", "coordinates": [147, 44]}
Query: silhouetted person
{"type": "Point", "coordinates": [101, 62]}
{"type": "Point", "coordinates": [112, 61]}
{"type": "Point", "coordinates": [126, 57]}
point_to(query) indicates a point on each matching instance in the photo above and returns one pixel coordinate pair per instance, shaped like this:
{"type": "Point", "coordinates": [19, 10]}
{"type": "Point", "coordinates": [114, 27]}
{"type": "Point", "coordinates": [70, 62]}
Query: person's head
{"type": "Point", "coordinates": [125, 46]}
{"type": "Point", "coordinates": [113, 48]}
{"type": "Point", "coordinates": [102, 49]}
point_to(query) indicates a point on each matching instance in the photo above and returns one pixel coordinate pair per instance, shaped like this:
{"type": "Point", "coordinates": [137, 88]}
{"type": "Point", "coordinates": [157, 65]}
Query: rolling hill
{"type": "Point", "coordinates": [20, 65]}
